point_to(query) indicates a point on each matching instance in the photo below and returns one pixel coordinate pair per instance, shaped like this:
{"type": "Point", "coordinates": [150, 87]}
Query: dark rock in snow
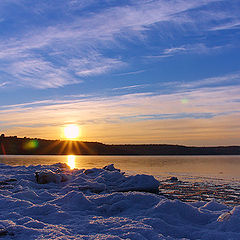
{"type": "Point", "coordinates": [48, 176]}
{"type": "Point", "coordinates": [111, 168]}
{"type": "Point", "coordinates": [173, 179]}
{"type": "Point", "coordinates": [89, 171]}
{"type": "Point", "coordinates": [8, 181]}
{"type": "Point", "coordinates": [3, 232]}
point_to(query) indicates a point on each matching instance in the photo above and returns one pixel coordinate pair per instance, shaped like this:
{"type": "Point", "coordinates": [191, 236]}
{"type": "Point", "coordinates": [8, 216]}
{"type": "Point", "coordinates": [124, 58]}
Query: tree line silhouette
{"type": "Point", "coordinates": [34, 146]}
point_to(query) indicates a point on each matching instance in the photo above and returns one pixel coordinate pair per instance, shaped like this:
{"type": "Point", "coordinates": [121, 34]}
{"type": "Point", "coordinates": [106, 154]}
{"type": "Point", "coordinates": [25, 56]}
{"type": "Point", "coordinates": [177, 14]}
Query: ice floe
{"type": "Point", "coordinates": [102, 204]}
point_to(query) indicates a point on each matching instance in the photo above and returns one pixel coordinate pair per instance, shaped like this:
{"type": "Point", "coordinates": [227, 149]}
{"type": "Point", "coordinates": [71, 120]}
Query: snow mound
{"type": "Point", "coordinates": [110, 179]}
{"type": "Point", "coordinates": [103, 204]}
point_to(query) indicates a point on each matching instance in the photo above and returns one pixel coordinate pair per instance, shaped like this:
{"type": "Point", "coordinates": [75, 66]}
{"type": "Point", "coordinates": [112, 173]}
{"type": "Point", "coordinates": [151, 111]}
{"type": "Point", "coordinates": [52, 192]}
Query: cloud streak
{"type": "Point", "coordinates": [227, 26]}
{"type": "Point", "coordinates": [58, 54]}
{"type": "Point", "coordinates": [3, 84]}
{"type": "Point", "coordinates": [203, 113]}
{"type": "Point", "coordinates": [197, 48]}
{"type": "Point", "coordinates": [228, 79]}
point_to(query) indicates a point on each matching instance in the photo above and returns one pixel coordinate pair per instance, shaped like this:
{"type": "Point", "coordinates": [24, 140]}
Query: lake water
{"type": "Point", "coordinates": [191, 168]}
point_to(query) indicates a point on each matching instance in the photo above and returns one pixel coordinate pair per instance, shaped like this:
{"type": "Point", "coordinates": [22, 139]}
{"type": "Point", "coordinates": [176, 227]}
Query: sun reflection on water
{"type": "Point", "coordinates": [71, 161]}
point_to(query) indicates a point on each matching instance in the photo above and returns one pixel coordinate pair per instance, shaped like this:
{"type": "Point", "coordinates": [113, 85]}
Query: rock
{"type": "Point", "coordinates": [8, 181]}
{"type": "Point", "coordinates": [89, 171]}
{"type": "Point", "coordinates": [48, 176]}
{"type": "Point", "coordinates": [61, 165]}
{"type": "Point", "coordinates": [173, 179]}
{"type": "Point", "coordinates": [111, 168]}
{"type": "Point", "coordinates": [3, 232]}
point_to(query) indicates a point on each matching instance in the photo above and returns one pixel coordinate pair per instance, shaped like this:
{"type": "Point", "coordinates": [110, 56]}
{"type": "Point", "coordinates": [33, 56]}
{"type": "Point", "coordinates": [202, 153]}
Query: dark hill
{"type": "Point", "coordinates": [29, 146]}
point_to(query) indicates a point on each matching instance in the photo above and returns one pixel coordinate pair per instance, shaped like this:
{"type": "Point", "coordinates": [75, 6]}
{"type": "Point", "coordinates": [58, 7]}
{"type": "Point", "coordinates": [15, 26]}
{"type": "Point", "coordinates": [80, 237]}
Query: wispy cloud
{"type": "Point", "coordinates": [226, 26]}
{"type": "Point", "coordinates": [55, 55]}
{"type": "Point", "coordinates": [196, 48]}
{"type": "Point", "coordinates": [169, 116]}
{"type": "Point", "coordinates": [130, 73]}
{"type": "Point", "coordinates": [170, 51]}
{"type": "Point", "coordinates": [131, 87]}
{"type": "Point", "coordinates": [228, 79]}
{"type": "Point", "coordinates": [208, 109]}
{"type": "Point", "coordinates": [38, 73]}
{"type": "Point", "coordinates": [93, 64]}
{"type": "Point", "coordinates": [3, 84]}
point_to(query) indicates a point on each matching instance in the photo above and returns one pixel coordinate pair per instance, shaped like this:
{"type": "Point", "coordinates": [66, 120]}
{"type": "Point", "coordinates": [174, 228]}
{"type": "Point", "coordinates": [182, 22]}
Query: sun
{"type": "Point", "coordinates": [71, 131]}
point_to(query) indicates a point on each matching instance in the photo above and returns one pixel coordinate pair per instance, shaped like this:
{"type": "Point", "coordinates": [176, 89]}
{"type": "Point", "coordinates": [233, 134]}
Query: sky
{"type": "Point", "coordinates": [143, 71]}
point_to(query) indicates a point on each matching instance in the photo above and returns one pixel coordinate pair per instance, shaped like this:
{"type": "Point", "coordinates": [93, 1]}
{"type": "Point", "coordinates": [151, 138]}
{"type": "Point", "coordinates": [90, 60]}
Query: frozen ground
{"type": "Point", "coordinates": [223, 192]}
{"type": "Point", "coordinates": [59, 203]}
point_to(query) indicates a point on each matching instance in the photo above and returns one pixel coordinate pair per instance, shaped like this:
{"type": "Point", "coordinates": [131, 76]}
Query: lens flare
{"type": "Point", "coordinates": [32, 144]}
{"type": "Point", "coordinates": [184, 101]}
{"type": "Point", "coordinates": [71, 161]}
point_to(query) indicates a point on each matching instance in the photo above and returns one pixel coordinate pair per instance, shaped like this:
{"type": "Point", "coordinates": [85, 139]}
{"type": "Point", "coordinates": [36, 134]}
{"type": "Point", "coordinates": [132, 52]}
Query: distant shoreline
{"type": "Point", "coordinates": [126, 155]}
{"type": "Point", "coordinates": [35, 146]}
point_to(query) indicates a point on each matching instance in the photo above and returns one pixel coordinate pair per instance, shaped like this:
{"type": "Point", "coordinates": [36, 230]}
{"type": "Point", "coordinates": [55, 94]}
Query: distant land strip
{"type": "Point", "coordinates": [34, 146]}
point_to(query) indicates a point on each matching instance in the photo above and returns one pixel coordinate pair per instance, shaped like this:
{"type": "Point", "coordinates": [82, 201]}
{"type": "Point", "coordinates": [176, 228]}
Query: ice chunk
{"type": "Point", "coordinates": [141, 182]}
{"type": "Point", "coordinates": [112, 180]}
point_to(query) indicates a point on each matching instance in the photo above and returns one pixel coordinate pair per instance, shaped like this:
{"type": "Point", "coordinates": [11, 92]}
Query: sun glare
{"type": "Point", "coordinates": [71, 161]}
{"type": "Point", "coordinates": [71, 131]}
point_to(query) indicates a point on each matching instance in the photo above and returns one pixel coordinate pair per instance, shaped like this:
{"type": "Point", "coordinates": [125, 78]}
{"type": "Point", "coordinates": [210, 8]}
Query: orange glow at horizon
{"type": "Point", "coordinates": [71, 131]}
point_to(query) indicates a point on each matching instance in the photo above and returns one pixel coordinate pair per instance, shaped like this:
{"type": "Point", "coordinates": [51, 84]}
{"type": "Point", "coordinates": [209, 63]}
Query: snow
{"type": "Point", "coordinates": [102, 204]}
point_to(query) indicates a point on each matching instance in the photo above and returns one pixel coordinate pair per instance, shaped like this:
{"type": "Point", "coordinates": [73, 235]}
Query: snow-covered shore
{"type": "Point", "coordinates": [59, 203]}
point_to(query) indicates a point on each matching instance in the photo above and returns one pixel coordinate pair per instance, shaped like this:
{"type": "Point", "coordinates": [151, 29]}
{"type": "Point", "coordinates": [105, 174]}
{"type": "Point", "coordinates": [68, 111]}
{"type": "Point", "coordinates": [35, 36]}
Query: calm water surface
{"type": "Point", "coordinates": [184, 167]}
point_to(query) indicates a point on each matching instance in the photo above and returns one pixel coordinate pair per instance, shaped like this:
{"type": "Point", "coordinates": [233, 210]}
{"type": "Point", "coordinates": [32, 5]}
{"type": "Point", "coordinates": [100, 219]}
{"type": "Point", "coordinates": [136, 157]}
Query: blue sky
{"type": "Point", "coordinates": [124, 71]}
